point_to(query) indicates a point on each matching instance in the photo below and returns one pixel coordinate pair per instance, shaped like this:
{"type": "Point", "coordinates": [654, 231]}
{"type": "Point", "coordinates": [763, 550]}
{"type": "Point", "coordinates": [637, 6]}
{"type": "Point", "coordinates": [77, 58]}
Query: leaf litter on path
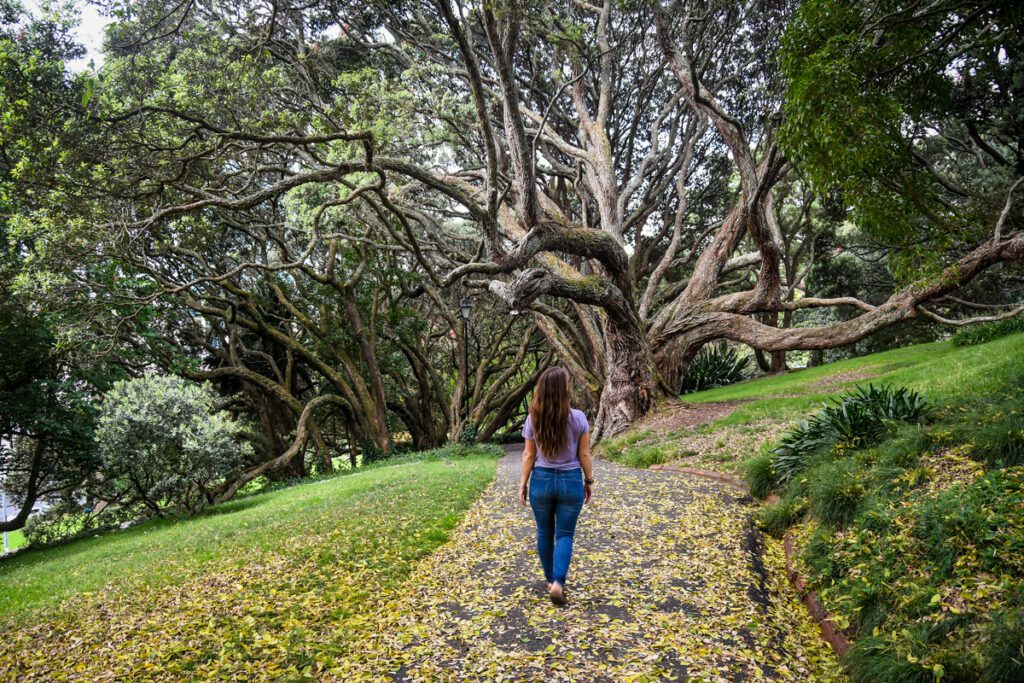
{"type": "Point", "coordinates": [668, 582]}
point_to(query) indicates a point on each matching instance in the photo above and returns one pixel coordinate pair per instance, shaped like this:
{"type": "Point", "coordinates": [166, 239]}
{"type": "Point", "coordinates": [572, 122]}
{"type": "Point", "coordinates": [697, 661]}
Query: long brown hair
{"type": "Point", "coordinates": [549, 410]}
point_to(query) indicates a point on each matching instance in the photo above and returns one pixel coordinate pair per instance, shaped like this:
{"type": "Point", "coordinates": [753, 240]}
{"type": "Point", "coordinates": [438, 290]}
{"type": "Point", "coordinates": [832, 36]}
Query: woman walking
{"type": "Point", "coordinates": [557, 472]}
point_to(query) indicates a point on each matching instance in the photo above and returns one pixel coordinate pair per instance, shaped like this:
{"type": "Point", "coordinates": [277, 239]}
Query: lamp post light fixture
{"type": "Point", "coordinates": [465, 307]}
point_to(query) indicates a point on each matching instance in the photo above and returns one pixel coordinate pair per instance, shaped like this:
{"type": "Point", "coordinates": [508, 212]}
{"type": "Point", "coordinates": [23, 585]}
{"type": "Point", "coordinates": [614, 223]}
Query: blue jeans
{"type": "Point", "coordinates": [556, 497]}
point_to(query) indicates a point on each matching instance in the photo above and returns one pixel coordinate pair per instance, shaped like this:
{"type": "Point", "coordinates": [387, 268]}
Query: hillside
{"type": "Point", "coordinates": [265, 582]}
{"type": "Point", "coordinates": [909, 528]}
{"type": "Point", "coordinates": [720, 429]}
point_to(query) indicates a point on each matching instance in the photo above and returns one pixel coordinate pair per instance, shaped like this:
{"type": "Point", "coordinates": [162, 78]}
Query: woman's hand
{"type": "Point", "coordinates": [588, 492]}
{"type": "Point", "coordinates": [522, 495]}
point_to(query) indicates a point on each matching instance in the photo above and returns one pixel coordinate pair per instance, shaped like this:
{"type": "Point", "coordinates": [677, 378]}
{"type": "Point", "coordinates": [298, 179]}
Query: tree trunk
{"type": "Point", "coordinates": [630, 388]}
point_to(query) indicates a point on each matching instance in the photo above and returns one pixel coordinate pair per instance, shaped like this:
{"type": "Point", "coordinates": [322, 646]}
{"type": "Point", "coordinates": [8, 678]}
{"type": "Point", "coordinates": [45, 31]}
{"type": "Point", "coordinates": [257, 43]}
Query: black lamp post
{"type": "Point", "coordinates": [464, 310]}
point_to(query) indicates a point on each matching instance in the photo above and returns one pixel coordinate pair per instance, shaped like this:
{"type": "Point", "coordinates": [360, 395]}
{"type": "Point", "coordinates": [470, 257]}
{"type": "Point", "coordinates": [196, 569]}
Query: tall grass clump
{"type": "Point", "coordinates": [986, 332]}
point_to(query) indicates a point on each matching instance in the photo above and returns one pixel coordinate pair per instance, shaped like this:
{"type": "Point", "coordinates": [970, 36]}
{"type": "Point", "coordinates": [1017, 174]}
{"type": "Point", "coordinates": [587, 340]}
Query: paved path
{"type": "Point", "coordinates": [668, 582]}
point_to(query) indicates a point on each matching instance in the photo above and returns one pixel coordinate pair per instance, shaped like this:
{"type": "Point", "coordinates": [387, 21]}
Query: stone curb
{"type": "Point", "coordinates": [830, 632]}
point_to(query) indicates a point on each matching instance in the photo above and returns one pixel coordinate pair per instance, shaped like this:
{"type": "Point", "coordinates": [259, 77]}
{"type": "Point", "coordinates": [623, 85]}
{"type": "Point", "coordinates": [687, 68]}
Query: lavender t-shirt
{"type": "Point", "coordinates": [567, 458]}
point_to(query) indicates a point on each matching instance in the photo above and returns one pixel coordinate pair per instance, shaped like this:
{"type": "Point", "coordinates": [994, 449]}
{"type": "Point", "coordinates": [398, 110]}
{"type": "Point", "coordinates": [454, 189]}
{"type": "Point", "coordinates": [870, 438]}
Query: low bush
{"type": "Point", "coordinates": [1000, 443]}
{"type": "Point", "coordinates": [795, 446]}
{"type": "Point", "coordinates": [852, 420]}
{"type": "Point", "coordinates": [836, 489]}
{"type": "Point", "coordinates": [776, 519]}
{"type": "Point", "coordinates": [714, 367]}
{"type": "Point", "coordinates": [759, 475]}
{"type": "Point", "coordinates": [986, 332]}
{"type": "Point", "coordinates": [644, 456]}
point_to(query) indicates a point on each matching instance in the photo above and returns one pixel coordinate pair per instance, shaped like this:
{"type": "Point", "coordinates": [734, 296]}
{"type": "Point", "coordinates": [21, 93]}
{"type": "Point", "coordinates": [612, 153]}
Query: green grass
{"type": "Point", "coordinates": [15, 540]}
{"type": "Point", "coordinates": [427, 496]}
{"type": "Point", "coordinates": [940, 370]}
{"type": "Point", "coordinates": [767, 406]}
{"type": "Point", "coordinates": [915, 542]}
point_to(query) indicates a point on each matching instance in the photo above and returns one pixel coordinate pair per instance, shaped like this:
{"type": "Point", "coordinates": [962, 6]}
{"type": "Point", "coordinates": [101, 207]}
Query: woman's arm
{"type": "Point", "coordinates": [587, 463]}
{"type": "Point", "coordinates": [529, 458]}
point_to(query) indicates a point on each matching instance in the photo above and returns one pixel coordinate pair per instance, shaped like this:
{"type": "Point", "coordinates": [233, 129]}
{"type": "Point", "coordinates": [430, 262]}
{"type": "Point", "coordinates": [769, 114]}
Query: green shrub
{"type": "Point", "coordinates": [776, 519]}
{"type": "Point", "coordinates": [469, 434]}
{"type": "Point", "coordinates": [1000, 443]}
{"type": "Point", "coordinates": [1005, 653]}
{"type": "Point", "coordinates": [836, 489]}
{"type": "Point", "coordinates": [897, 404]}
{"type": "Point", "coordinates": [164, 446]}
{"type": "Point", "coordinates": [713, 367]}
{"type": "Point", "coordinates": [795, 446]}
{"type": "Point", "coordinates": [873, 660]}
{"type": "Point", "coordinates": [855, 419]}
{"type": "Point", "coordinates": [67, 520]}
{"type": "Point", "coordinates": [979, 334]}
{"type": "Point", "coordinates": [760, 475]}
{"type": "Point", "coordinates": [644, 456]}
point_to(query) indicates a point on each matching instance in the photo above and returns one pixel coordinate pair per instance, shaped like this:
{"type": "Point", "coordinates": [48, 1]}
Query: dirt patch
{"type": "Point", "coordinates": [673, 415]}
{"type": "Point", "coordinates": [726, 447]}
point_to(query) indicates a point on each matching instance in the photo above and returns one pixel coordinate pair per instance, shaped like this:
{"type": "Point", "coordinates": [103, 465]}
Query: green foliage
{"type": "Point", "coordinates": [986, 332]}
{"type": "Point", "coordinates": [1000, 442]}
{"type": "Point", "coordinates": [1004, 655]}
{"type": "Point", "coordinates": [835, 491]}
{"type": "Point", "coordinates": [852, 420]}
{"type": "Point", "coordinates": [632, 449]}
{"type": "Point", "coordinates": [68, 520]}
{"type": "Point", "coordinates": [759, 475]}
{"type": "Point", "coordinates": [796, 446]}
{"type": "Point", "coordinates": [778, 518]}
{"type": "Point", "coordinates": [469, 434]}
{"type": "Point", "coordinates": [163, 444]}
{"type": "Point", "coordinates": [873, 100]}
{"type": "Point", "coordinates": [714, 367]}
{"type": "Point", "coordinates": [936, 587]}
{"type": "Point", "coordinates": [919, 550]}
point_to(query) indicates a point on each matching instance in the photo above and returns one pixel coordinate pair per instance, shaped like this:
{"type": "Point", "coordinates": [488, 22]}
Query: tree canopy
{"type": "Point", "coordinates": [290, 200]}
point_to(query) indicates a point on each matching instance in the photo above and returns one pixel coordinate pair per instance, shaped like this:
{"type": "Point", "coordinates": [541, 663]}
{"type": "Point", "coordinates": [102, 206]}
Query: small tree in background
{"type": "Point", "coordinates": [164, 446]}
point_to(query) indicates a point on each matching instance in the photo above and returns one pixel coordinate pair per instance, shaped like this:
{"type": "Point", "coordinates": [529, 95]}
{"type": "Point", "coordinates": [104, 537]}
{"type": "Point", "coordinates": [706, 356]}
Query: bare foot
{"type": "Point", "coordinates": [556, 593]}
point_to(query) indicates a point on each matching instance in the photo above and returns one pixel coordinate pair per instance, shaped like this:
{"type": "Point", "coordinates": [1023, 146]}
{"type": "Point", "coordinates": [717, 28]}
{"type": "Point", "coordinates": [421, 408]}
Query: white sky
{"type": "Point", "coordinates": [90, 32]}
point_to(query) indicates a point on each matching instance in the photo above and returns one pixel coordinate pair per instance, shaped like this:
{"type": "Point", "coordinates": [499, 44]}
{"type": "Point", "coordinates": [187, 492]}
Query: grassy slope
{"type": "Point", "coordinates": [15, 540]}
{"type": "Point", "coordinates": [916, 544]}
{"type": "Point", "coordinates": [432, 494]}
{"type": "Point", "coordinates": [767, 405]}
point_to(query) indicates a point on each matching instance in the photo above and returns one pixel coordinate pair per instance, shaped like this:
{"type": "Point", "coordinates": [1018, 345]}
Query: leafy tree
{"type": "Point", "coordinates": [47, 390]}
{"type": "Point", "coordinates": [165, 446]}
{"type": "Point", "coordinates": [539, 152]}
{"type": "Point", "coordinates": [912, 112]}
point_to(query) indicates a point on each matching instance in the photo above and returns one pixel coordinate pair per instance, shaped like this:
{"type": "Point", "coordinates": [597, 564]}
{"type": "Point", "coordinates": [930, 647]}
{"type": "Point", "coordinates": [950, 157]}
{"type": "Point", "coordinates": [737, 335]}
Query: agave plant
{"type": "Point", "coordinates": [712, 368]}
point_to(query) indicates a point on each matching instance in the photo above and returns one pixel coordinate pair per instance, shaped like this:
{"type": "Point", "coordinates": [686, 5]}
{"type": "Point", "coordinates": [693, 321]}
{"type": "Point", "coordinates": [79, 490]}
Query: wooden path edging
{"type": "Point", "coordinates": [830, 632]}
